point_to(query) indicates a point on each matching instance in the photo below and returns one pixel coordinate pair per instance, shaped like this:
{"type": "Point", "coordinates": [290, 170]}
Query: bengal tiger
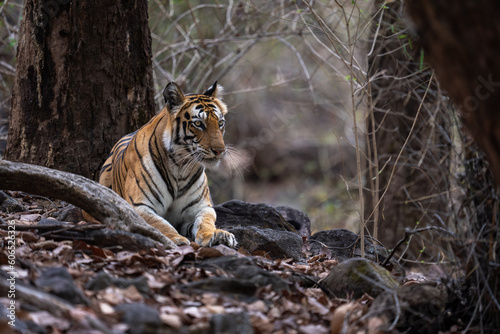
{"type": "Point", "coordinates": [160, 168]}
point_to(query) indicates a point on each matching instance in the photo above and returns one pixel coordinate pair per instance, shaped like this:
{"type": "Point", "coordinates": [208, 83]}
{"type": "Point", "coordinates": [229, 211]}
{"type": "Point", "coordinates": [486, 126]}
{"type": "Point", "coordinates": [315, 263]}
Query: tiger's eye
{"type": "Point", "coordinates": [221, 123]}
{"type": "Point", "coordinates": [198, 124]}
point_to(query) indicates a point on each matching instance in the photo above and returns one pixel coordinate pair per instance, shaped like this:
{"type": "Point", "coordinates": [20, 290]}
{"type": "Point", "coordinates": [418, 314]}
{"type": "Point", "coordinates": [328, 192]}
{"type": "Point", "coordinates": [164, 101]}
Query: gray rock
{"type": "Point", "coordinates": [228, 263]}
{"type": "Point", "coordinates": [297, 218]}
{"type": "Point", "coordinates": [140, 319]}
{"type": "Point", "coordinates": [341, 242]}
{"type": "Point", "coordinates": [231, 323]}
{"type": "Point", "coordinates": [238, 213]}
{"type": "Point", "coordinates": [354, 277]}
{"type": "Point", "coordinates": [261, 277]}
{"type": "Point", "coordinates": [9, 204]}
{"type": "Point", "coordinates": [277, 244]}
{"type": "Point", "coordinates": [69, 213]}
{"type": "Point", "coordinates": [58, 281]}
{"type": "Point", "coordinates": [103, 280]}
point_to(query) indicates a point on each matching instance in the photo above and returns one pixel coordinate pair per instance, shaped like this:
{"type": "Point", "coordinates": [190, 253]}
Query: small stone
{"type": "Point", "coordinates": [103, 281]}
{"type": "Point", "coordinates": [261, 277]}
{"type": "Point", "coordinates": [140, 319]}
{"type": "Point", "coordinates": [9, 204]}
{"type": "Point", "coordinates": [231, 323]}
{"type": "Point", "coordinates": [58, 281]}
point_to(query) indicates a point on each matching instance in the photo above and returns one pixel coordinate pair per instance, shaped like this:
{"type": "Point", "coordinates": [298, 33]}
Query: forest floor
{"type": "Point", "coordinates": [184, 290]}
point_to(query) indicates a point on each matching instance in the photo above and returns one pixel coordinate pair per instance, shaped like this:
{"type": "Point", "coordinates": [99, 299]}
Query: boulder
{"type": "Point", "coordinates": [236, 213]}
{"type": "Point", "coordinates": [261, 227]}
{"type": "Point", "coordinates": [276, 244]}
{"type": "Point", "coordinates": [342, 243]}
{"type": "Point", "coordinates": [354, 277]}
{"type": "Point", "coordinates": [297, 218]}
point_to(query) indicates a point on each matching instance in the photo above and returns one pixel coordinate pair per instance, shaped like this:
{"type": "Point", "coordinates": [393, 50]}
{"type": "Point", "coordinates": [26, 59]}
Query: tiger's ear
{"type": "Point", "coordinates": [214, 91]}
{"type": "Point", "coordinates": [173, 96]}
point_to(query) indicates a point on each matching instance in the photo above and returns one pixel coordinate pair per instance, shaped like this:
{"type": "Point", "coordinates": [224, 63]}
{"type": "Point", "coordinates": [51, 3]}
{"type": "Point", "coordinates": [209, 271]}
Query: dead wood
{"type": "Point", "coordinates": [100, 202]}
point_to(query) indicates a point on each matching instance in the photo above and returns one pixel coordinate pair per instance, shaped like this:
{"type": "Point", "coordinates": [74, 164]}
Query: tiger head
{"type": "Point", "coordinates": [198, 124]}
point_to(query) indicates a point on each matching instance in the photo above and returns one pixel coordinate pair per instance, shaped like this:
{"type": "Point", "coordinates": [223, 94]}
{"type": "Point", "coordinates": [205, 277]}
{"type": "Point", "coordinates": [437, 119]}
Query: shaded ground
{"type": "Point", "coordinates": [71, 286]}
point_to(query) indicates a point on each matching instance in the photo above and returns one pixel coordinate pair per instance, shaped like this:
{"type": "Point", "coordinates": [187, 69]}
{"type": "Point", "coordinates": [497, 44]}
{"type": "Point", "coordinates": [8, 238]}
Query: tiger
{"type": "Point", "coordinates": [160, 168]}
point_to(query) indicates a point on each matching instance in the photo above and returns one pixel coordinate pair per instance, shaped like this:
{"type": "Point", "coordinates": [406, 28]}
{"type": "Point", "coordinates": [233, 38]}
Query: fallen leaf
{"type": "Point", "coordinates": [30, 218]}
{"type": "Point", "coordinates": [106, 308]}
{"type": "Point", "coordinates": [194, 312]}
{"type": "Point", "coordinates": [258, 306]}
{"type": "Point", "coordinates": [215, 309]}
{"type": "Point", "coordinates": [339, 317]}
{"type": "Point", "coordinates": [131, 294]}
{"type": "Point", "coordinates": [206, 252]}
{"type": "Point", "coordinates": [313, 329]}
{"type": "Point", "coordinates": [172, 320]}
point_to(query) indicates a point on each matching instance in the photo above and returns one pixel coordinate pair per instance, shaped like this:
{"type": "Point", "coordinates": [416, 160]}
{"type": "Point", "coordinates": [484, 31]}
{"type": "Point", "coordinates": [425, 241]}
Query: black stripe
{"type": "Point", "coordinates": [140, 204]}
{"type": "Point", "coordinates": [177, 130]}
{"type": "Point", "coordinates": [192, 181]}
{"type": "Point", "coordinates": [142, 190]}
{"type": "Point", "coordinates": [160, 163]}
{"type": "Point", "coordinates": [144, 169]}
{"type": "Point", "coordinates": [197, 200]}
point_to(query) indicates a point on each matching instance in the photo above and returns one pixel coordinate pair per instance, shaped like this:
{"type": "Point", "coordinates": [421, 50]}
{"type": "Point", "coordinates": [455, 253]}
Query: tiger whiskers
{"type": "Point", "coordinates": [235, 161]}
{"type": "Point", "coordinates": [190, 160]}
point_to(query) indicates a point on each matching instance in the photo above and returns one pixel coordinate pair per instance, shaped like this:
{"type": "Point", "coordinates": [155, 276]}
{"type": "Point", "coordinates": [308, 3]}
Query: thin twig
{"type": "Point", "coordinates": [409, 233]}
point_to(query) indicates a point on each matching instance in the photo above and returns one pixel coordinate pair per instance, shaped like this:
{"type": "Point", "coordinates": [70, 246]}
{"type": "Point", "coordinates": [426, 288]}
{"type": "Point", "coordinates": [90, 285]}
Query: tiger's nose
{"type": "Point", "coordinates": [218, 152]}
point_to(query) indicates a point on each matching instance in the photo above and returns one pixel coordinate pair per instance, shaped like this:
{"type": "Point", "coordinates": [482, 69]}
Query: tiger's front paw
{"type": "Point", "coordinates": [218, 237]}
{"type": "Point", "coordinates": [179, 240]}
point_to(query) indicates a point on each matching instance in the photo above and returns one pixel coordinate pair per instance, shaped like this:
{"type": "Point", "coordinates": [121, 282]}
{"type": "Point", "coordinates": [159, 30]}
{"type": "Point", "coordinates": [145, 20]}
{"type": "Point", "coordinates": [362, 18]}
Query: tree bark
{"type": "Point", "coordinates": [83, 80]}
{"type": "Point", "coordinates": [102, 203]}
{"type": "Point", "coordinates": [461, 41]}
{"type": "Point", "coordinates": [407, 147]}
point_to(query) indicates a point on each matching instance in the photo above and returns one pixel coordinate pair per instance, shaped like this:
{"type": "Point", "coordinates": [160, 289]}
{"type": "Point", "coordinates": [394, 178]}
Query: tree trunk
{"type": "Point", "coordinates": [84, 79]}
{"type": "Point", "coordinates": [461, 41]}
{"type": "Point", "coordinates": [407, 146]}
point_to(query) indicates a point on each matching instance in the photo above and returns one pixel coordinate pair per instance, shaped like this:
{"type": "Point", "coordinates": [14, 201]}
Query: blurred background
{"type": "Point", "coordinates": [312, 88]}
{"type": "Point", "coordinates": [287, 88]}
